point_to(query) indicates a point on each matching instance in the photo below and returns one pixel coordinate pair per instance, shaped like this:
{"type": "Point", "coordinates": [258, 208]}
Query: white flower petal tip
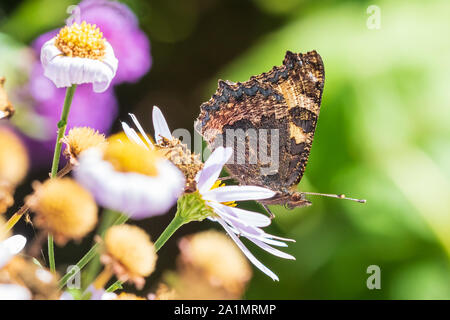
{"type": "Point", "coordinates": [135, 194]}
{"type": "Point", "coordinates": [66, 71]}
{"type": "Point", "coordinates": [160, 125]}
{"type": "Point", "coordinates": [15, 244]}
{"type": "Point", "coordinates": [238, 193]}
{"type": "Point", "coordinates": [14, 292]}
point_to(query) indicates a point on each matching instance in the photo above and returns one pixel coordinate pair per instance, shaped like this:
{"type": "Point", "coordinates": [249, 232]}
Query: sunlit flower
{"type": "Point", "coordinates": [63, 208]}
{"type": "Point", "coordinates": [131, 179]}
{"type": "Point", "coordinates": [79, 54]}
{"type": "Point", "coordinates": [214, 255]}
{"type": "Point", "coordinates": [173, 149]}
{"type": "Point", "coordinates": [10, 247]}
{"type": "Point", "coordinates": [129, 254]}
{"type": "Point", "coordinates": [236, 221]}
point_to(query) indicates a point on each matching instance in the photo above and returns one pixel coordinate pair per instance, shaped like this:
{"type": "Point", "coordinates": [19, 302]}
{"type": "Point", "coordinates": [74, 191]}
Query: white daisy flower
{"type": "Point", "coordinates": [126, 177]}
{"type": "Point", "coordinates": [238, 222]}
{"type": "Point", "coordinates": [10, 247]}
{"type": "Point", "coordinates": [79, 54]}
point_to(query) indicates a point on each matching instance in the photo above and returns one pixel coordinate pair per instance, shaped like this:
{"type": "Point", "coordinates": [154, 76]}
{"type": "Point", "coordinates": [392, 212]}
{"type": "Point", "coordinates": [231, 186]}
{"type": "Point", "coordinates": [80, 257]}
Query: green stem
{"type": "Point", "coordinates": [80, 265]}
{"type": "Point", "coordinates": [62, 124]}
{"type": "Point", "coordinates": [173, 226]}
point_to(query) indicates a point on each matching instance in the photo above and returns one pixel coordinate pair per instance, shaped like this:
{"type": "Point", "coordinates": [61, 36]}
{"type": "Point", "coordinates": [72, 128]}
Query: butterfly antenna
{"type": "Point", "coordinates": [337, 196]}
{"type": "Point", "coordinates": [271, 215]}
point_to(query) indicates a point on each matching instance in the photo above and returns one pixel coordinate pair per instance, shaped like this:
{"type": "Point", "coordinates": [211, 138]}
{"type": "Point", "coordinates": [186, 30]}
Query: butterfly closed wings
{"type": "Point", "coordinates": [284, 102]}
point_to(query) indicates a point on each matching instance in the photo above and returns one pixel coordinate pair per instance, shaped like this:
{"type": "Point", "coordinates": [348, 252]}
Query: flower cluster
{"type": "Point", "coordinates": [126, 176]}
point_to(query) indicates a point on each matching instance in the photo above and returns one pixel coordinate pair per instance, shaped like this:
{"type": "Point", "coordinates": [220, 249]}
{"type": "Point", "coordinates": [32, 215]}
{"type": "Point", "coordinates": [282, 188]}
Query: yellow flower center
{"type": "Point", "coordinates": [219, 184]}
{"type": "Point", "coordinates": [83, 41]}
{"type": "Point", "coordinates": [126, 156]}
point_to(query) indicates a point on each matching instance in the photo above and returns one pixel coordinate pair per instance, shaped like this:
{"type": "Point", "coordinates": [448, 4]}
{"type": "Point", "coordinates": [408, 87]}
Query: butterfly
{"type": "Point", "coordinates": [283, 107]}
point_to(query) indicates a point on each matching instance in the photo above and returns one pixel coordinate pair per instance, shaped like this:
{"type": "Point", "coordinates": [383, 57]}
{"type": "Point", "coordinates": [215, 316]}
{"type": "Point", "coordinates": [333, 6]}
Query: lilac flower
{"type": "Point", "coordinates": [236, 221]}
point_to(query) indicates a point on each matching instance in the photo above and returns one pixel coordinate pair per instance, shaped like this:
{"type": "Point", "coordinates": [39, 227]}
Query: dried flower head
{"type": "Point", "coordinates": [129, 178]}
{"type": "Point", "coordinates": [80, 139]}
{"type": "Point", "coordinates": [79, 54]}
{"type": "Point", "coordinates": [14, 160]}
{"type": "Point", "coordinates": [214, 255]}
{"type": "Point", "coordinates": [63, 208]}
{"type": "Point", "coordinates": [6, 108]}
{"type": "Point", "coordinates": [129, 253]}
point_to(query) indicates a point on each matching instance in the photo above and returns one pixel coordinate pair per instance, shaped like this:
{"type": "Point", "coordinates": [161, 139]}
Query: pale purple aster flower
{"type": "Point", "coordinates": [137, 195]}
{"type": "Point", "coordinates": [10, 247]}
{"type": "Point", "coordinates": [238, 222]}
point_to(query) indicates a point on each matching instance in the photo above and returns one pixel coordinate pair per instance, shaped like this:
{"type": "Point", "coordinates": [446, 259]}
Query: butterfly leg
{"type": "Point", "coordinates": [271, 215]}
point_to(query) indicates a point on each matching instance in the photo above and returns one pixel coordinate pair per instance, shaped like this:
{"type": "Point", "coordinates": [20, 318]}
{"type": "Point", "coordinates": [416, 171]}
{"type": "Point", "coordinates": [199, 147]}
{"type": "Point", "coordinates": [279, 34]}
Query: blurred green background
{"type": "Point", "coordinates": [383, 133]}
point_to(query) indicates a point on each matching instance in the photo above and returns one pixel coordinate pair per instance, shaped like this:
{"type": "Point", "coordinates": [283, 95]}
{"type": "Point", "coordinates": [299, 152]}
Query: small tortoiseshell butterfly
{"type": "Point", "coordinates": [287, 99]}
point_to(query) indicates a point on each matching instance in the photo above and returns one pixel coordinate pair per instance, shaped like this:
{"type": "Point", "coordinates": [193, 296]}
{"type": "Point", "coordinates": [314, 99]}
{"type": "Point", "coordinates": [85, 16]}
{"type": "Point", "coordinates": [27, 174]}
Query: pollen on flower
{"type": "Point", "coordinates": [214, 255]}
{"type": "Point", "coordinates": [80, 139]}
{"type": "Point", "coordinates": [81, 40]}
{"type": "Point", "coordinates": [126, 156]}
{"type": "Point", "coordinates": [129, 252]}
{"type": "Point", "coordinates": [64, 208]}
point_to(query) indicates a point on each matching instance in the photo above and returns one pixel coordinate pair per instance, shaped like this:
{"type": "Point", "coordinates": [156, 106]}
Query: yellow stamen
{"type": "Point", "coordinates": [84, 41]}
{"type": "Point", "coordinates": [127, 156]}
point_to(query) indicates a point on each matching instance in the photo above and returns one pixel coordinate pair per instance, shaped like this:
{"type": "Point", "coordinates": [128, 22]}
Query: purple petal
{"type": "Point", "coordinates": [160, 125]}
{"type": "Point", "coordinates": [237, 193]}
{"type": "Point", "coordinates": [247, 253]}
{"type": "Point", "coordinates": [212, 168]}
{"type": "Point", "coordinates": [249, 217]}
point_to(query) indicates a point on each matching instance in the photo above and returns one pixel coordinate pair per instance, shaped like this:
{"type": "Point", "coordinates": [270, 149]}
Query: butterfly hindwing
{"type": "Point", "coordinates": [285, 99]}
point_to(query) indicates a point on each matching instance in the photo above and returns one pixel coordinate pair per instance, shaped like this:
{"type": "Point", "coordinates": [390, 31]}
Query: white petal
{"type": "Point", "coordinates": [237, 193]}
{"type": "Point", "coordinates": [247, 253]}
{"type": "Point", "coordinates": [240, 228]}
{"type": "Point", "coordinates": [252, 218]}
{"type": "Point", "coordinates": [135, 194]}
{"type": "Point", "coordinates": [132, 135]}
{"type": "Point", "coordinates": [160, 125]}
{"type": "Point", "coordinates": [141, 130]}
{"type": "Point", "coordinates": [14, 292]}
{"type": "Point", "coordinates": [212, 168]}
{"type": "Point", "coordinates": [15, 244]}
{"type": "Point", "coordinates": [271, 250]}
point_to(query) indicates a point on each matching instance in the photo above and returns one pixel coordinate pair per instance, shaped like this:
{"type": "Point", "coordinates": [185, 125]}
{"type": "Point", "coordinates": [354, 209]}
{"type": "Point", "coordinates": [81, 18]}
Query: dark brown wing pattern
{"type": "Point", "coordinates": [285, 99]}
